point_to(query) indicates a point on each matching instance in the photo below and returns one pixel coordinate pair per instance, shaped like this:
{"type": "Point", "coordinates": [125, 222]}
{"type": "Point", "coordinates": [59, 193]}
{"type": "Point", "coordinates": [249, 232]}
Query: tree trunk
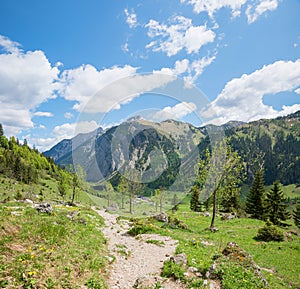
{"type": "Point", "coordinates": [131, 203]}
{"type": "Point", "coordinates": [122, 201]}
{"type": "Point", "coordinates": [73, 196]}
{"type": "Point", "coordinates": [212, 225]}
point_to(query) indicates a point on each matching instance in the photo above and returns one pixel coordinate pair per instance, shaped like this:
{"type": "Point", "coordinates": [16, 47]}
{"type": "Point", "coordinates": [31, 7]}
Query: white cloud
{"type": "Point", "coordinates": [9, 45]}
{"type": "Point", "coordinates": [82, 83]}
{"type": "Point", "coordinates": [175, 112]}
{"type": "Point", "coordinates": [211, 6]}
{"type": "Point", "coordinates": [26, 80]}
{"type": "Point", "coordinates": [68, 130]}
{"type": "Point", "coordinates": [125, 90]}
{"type": "Point", "coordinates": [197, 68]}
{"type": "Point", "coordinates": [297, 90]}
{"type": "Point", "coordinates": [180, 34]}
{"type": "Point", "coordinates": [131, 18]}
{"type": "Point", "coordinates": [125, 47]}
{"type": "Point", "coordinates": [60, 132]}
{"type": "Point", "coordinates": [242, 98]}
{"type": "Point", "coordinates": [254, 12]}
{"type": "Point", "coordinates": [68, 115]}
{"type": "Point", "coordinates": [190, 71]}
{"type": "Point", "coordinates": [43, 113]}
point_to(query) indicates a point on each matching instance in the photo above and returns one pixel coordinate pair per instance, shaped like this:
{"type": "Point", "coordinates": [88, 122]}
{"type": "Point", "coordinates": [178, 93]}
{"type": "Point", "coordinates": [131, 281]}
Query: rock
{"type": "Point", "coordinates": [44, 208]}
{"type": "Point", "coordinates": [113, 208]}
{"type": "Point", "coordinates": [28, 201]}
{"type": "Point", "coordinates": [210, 274]}
{"type": "Point", "coordinates": [147, 282]}
{"type": "Point", "coordinates": [72, 215]}
{"type": "Point", "coordinates": [179, 259]}
{"type": "Point", "coordinates": [226, 217]}
{"type": "Point", "coordinates": [162, 217]}
{"type": "Point", "coordinates": [233, 252]}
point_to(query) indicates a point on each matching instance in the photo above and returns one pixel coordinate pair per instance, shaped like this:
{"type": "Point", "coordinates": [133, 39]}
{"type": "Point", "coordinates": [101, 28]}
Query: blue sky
{"type": "Point", "coordinates": [58, 59]}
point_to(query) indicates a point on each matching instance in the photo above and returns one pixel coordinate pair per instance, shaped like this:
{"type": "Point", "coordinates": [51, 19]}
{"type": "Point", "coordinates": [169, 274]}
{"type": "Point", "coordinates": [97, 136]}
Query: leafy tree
{"type": "Point", "coordinates": [296, 215]}
{"type": "Point", "coordinates": [123, 188]}
{"type": "Point", "coordinates": [175, 203]}
{"type": "Point", "coordinates": [62, 186]}
{"type": "Point", "coordinates": [255, 201]}
{"type": "Point", "coordinates": [109, 193]}
{"type": "Point", "coordinates": [201, 175]}
{"type": "Point", "coordinates": [276, 205]}
{"type": "Point", "coordinates": [160, 196]}
{"type": "Point", "coordinates": [75, 185]}
{"type": "Point", "coordinates": [229, 178]}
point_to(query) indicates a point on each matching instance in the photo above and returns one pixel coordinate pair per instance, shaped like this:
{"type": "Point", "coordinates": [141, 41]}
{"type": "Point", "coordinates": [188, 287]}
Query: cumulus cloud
{"type": "Point", "coordinates": [242, 98]}
{"type": "Point", "coordinates": [254, 11]}
{"type": "Point", "coordinates": [26, 80]}
{"type": "Point", "coordinates": [60, 132]}
{"type": "Point", "coordinates": [178, 35]}
{"type": "Point", "coordinates": [178, 111]}
{"type": "Point", "coordinates": [211, 6]}
{"type": "Point", "coordinates": [125, 90]}
{"type": "Point", "coordinates": [131, 18]}
{"type": "Point", "coordinates": [82, 83]}
{"type": "Point", "coordinates": [297, 90]}
{"type": "Point", "coordinates": [9, 45]}
{"type": "Point", "coordinates": [43, 113]}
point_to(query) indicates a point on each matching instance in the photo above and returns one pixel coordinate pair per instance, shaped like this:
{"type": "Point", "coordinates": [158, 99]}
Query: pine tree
{"type": "Point", "coordinates": [195, 204]}
{"type": "Point", "coordinates": [296, 215]}
{"type": "Point", "coordinates": [276, 205]}
{"type": "Point", "coordinates": [255, 200]}
{"type": "Point", "coordinates": [1, 130]}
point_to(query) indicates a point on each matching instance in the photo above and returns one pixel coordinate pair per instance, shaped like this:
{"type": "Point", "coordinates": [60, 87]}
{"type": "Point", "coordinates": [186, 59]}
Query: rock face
{"type": "Point", "coordinates": [132, 143]}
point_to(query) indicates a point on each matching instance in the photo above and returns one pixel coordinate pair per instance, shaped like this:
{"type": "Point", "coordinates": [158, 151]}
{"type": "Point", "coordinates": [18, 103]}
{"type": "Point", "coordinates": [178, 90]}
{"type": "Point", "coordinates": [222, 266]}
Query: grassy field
{"type": "Point", "coordinates": [280, 261]}
{"type": "Point", "coordinates": [67, 250]}
{"type": "Point", "coordinates": [64, 249]}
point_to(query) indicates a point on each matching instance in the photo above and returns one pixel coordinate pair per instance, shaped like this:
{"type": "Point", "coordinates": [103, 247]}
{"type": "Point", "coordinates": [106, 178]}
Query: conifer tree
{"type": "Point", "coordinates": [195, 204]}
{"type": "Point", "coordinates": [255, 200]}
{"type": "Point", "coordinates": [296, 215]}
{"type": "Point", "coordinates": [1, 130]}
{"type": "Point", "coordinates": [276, 205]}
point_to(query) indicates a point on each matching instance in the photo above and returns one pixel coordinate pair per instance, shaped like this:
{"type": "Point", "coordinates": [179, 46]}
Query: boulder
{"type": "Point", "coordinates": [179, 259]}
{"type": "Point", "coordinates": [226, 217]}
{"type": "Point", "coordinates": [44, 208]}
{"type": "Point", "coordinates": [162, 217]}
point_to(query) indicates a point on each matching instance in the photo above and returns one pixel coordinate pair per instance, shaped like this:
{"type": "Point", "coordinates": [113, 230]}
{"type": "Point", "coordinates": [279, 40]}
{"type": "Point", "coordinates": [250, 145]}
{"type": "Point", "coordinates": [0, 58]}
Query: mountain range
{"type": "Point", "coordinates": [163, 151]}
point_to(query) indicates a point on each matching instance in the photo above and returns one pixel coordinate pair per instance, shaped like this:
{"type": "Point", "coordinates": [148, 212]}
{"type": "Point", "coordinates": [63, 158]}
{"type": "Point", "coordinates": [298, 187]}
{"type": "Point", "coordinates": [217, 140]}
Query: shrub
{"type": "Point", "coordinates": [173, 270]}
{"type": "Point", "coordinates": [269, 233]}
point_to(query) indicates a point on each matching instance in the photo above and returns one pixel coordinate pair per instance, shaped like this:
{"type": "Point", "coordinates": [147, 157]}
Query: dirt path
{"type": "Point", "coordinates": [134, 258]}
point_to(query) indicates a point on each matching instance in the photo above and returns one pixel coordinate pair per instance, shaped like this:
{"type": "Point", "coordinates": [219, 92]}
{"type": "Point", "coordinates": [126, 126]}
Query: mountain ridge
{"type": "Point", "coordinates": [257, 142]}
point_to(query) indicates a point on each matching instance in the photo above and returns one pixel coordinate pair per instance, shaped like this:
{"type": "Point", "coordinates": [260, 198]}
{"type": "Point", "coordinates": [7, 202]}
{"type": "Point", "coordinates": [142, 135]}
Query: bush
{"type": "Point", "coordinates": [269, 233]}
{"type": "Point", "coordinates": [173, 270]}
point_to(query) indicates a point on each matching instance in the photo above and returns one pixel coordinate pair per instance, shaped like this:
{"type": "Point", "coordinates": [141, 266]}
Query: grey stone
{"type": "Point", "coordinates": [44, 208]}
{"type": "Point", "coordinates": [162, 217]}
